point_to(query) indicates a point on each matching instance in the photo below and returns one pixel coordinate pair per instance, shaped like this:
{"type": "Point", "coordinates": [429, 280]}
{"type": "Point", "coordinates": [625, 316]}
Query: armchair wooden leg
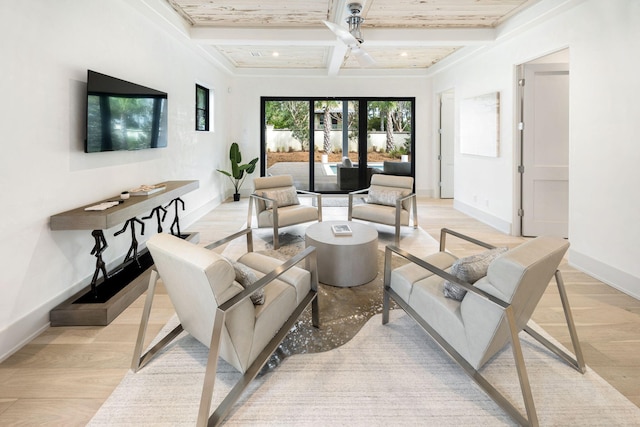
{"type": "Point", "coordinates": [415, 212]}
{"type": "Point", "coordinates": [386, 301]}
{"type": "Point", "coordinates": [578, 361]}
{"type": "Point", "coordinates": [523, 377]}
{"type": "Point", "coordinates": [139, 359]}
{"type": "Point", "coordinates": [211, 370]}
{"type": "Point", "coordinates": [276, 243]}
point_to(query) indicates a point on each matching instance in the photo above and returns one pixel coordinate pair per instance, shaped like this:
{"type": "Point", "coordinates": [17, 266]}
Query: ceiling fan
{"type": "Point", "coordinates": [353, 36]}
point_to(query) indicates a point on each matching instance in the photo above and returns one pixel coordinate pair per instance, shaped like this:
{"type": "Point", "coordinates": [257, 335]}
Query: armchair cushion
{"type": "Point", "coordinates": [246, 277]}
{"type": "Point", "coordinates": [470, 269]}
{"type": "Point", "coordinates": [298, 279]}
{"type": "Point", "coordinates": [380, 213]}
{"type": "Point", "coordinates": [283, 196]}
{"type": "Point", "coordinates": [290, 215]}
{"type": "Point", "coordinates": [384, 196]}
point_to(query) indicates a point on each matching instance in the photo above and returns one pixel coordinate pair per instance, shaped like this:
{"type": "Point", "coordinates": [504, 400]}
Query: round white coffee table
{"type": "Point", "coordinates": [344, 260]}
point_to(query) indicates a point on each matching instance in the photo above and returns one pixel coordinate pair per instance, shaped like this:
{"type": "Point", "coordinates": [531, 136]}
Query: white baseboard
{"type": "Point", "coordinates": [620, 280]}
{"type": "Point", "coordinates": [420, 192]}
{"type": "Point", "coordinates": [493, 221]}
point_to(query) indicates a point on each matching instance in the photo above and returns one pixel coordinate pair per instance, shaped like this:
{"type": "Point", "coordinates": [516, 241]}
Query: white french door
{"type": "Point", "coordinates": [545, 150]}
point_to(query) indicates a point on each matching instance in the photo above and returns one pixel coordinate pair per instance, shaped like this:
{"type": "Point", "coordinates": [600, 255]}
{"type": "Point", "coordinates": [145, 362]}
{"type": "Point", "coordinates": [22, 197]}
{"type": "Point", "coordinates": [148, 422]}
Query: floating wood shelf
{"type": "Point", "coordinates": [79, 219]}
{"type": "Point", "coordinates": [103, 300]}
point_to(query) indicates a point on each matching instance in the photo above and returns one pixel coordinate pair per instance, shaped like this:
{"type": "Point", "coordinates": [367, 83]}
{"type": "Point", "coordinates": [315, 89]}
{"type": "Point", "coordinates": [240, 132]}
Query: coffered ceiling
{"type": "Point", "coordinates": [289, 35]}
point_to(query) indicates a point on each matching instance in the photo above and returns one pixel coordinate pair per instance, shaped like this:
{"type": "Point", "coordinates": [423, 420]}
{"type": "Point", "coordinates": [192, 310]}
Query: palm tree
{"type": "Point", "coordinates": [386, 108]}
{"type": "Point", "coordinates": [326, 107]}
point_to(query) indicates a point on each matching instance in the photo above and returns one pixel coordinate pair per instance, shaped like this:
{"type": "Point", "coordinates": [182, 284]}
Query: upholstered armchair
{"type": "Point", "coordinates": [389, 201]}
{"type": "Point", "coordinates": [474, 306]}
{"type": "Point", "coordinates": [241, 310]}
{"type": "Point", "coordinates": [277, 204]}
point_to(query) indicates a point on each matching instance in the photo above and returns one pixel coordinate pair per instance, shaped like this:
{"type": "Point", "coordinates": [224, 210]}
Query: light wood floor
{"type": "Point", "coordinates": [64, 375]}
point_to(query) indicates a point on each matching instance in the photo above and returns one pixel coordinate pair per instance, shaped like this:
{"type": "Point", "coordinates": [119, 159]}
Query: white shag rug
{"type": "Point", "coordinates": [387, 375]}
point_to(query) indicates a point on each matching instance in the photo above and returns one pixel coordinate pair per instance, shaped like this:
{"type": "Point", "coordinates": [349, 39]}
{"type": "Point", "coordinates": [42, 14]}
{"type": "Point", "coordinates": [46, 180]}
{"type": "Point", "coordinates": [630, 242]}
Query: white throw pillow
{"type": "Point", "coordinates": [282, 196]}
{"type": "Point", "coordinates": [246, 277]}
{"type": "Point", "coordinates": [383, 196]}
{"type": "Point", "coordinates": [470, 269]}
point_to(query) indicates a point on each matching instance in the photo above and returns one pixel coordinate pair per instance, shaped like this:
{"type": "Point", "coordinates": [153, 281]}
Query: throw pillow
{"type": "Point", "coordinates": [283, 196]}
{"type": "Point", "coordinates": [246, 277]}
{"type": "Point", "coordinates": [470, 269]}
{"type": "Point", "coordinates": [384, 197]}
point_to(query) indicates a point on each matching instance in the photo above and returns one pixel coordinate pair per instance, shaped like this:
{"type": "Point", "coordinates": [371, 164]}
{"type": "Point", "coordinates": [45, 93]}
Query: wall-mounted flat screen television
{"type": "Point", "coordinates": [123, 115]}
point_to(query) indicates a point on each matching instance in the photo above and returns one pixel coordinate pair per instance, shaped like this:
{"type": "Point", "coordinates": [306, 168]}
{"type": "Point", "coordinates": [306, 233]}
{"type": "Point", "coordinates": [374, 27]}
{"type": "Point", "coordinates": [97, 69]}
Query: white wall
{"type": "Point", "coordinates": [246, 92]}
{"type": "Point", "coordinates": [603, 40]}
{"type": "Point", "coordinates": [46, 50]}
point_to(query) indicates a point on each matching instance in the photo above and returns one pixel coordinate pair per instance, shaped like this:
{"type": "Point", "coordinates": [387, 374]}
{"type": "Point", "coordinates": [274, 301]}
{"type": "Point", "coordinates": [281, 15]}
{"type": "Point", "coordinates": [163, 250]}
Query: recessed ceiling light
{"type": "Point", "coordinates": [404, 54]}
{"type": "Point", "coordinates": [275, 54]}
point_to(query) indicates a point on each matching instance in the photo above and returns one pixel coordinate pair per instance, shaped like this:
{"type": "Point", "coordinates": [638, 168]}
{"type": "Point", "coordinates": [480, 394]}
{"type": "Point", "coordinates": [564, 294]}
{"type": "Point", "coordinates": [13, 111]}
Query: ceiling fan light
{"type": "Point", "coordinates": [354, 22]}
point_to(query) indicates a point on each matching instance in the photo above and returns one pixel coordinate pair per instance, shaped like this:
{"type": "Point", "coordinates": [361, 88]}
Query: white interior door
{"type": "Point", "coordinates": [545, 150]}
{"type": "Point", "coordinates": [446, 144]}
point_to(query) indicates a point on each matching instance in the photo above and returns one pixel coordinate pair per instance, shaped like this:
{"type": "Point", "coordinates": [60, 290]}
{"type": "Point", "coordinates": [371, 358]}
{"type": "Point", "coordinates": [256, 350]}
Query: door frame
{"type": "Point", "coordinates": [362, 136]}
{"type": "Point", "coordinates": [439, 136]}
{"type": "Point", "coordinates": [518, 159]}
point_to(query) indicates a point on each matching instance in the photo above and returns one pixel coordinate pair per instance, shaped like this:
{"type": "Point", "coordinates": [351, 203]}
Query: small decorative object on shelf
{"type": "Point", "coordinates": [146, 190]}
{"type": "Point", "coordinates": [124, 195]}
{"type": "Point", "coordinates": [341, 230]}
{"type": "Point", "coordinates": [104, 205]}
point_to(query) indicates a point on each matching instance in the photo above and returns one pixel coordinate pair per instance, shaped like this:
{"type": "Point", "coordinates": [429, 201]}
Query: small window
{"type": "Point", "coordinates": [202, 108]}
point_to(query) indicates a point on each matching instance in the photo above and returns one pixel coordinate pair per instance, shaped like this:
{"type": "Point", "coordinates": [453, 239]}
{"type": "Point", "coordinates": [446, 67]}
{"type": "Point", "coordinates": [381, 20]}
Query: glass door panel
{"type": "Point", "coordinates": [335, 138]}
{"type": "Point", "coordinates": [389, 136]}
{"type": "Point", "coordinates": [287, 142]}
{"type": "Point", "coordinates": [308, 138]}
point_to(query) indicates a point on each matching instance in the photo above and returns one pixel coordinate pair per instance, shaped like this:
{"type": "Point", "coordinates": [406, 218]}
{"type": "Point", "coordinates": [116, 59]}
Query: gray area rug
{"type": "Point", "coordinates": [386, 375]}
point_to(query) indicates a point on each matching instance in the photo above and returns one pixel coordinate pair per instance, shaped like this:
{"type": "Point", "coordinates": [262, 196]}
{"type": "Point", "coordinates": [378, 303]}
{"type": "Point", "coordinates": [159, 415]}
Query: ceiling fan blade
{"type": "Point", "coordinates": [342, 33]}
{"type": "Point", "coordinates": [363, 58]}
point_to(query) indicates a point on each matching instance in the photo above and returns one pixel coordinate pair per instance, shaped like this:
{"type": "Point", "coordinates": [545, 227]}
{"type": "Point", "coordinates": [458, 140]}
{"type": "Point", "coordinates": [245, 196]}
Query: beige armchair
{"type": "Point", "coordinates": [277, 205]}
{"type": "Point", "coordinates": [474, 327]}
{"type": "Point", "coordinates": [389, 201]}
{"type": "Point", "coordinates": [218, 311]}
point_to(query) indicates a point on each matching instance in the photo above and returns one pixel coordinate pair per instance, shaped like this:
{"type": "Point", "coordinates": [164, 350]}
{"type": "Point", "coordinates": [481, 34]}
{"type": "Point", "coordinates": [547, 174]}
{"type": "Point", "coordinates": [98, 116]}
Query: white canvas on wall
{"type": "Point", "coordinates": [480, 125]}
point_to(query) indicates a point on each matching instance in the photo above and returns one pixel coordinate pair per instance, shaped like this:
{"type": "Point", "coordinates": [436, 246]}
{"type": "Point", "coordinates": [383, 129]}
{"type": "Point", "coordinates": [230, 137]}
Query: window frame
{"type": "Point", "coordinates": [206, 111]}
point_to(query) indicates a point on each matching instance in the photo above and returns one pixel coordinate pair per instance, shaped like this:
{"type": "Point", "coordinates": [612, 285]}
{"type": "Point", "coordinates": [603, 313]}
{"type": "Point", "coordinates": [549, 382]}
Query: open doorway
{"type": "Point", "coordinates": [544, 145]}
{"type": "Point", "coordinates": [447, 150]}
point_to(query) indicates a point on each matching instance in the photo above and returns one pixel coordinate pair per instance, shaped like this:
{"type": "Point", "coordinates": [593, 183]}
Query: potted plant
{"type": "Point", "coordinates": [238, 172]}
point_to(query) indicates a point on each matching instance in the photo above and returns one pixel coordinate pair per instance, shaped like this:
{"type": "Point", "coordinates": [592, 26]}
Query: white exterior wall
{"type": "Point", "coordinates": [603, 38]}
{"type": "Point", "coordinates": [283, 140]}
{"type": "Point", "coordinates": [47, 48]}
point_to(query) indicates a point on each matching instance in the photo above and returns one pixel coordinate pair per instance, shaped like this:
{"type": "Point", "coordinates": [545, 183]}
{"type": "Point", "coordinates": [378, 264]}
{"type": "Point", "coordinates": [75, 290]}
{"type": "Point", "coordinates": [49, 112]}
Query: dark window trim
{"type": "Point", "coordinates": [205, 111]}
{"type": "Point", "coordinates": [362, 100]}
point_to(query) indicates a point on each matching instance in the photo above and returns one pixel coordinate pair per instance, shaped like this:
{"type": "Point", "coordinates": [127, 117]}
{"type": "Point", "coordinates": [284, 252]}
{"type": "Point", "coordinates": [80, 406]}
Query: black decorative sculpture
{"type": "Point", "coordinates": [98, 248]}
{"type": "Point", "coordinates": [156, 211]}
{"type": "Point", "coordinates": [176, 219]}
{"type": "Point", "coordinates": [133, 249]}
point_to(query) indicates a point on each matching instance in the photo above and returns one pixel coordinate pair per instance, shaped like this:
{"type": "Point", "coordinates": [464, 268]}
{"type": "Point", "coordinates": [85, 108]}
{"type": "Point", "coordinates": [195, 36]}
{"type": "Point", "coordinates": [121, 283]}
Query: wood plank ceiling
{"type": "Point", "coordinates": [290, 35]}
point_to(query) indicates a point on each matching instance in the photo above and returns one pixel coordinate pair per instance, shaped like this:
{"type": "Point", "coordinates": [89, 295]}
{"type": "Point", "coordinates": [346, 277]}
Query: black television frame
{"type": "Point", "coordinates": [106, 87]}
